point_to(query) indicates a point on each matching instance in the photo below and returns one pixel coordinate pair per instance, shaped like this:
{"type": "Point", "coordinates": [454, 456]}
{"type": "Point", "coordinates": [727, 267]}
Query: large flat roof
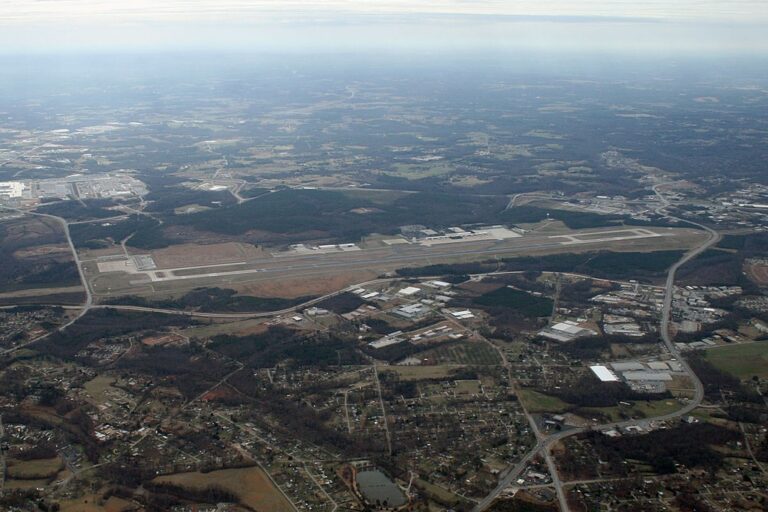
{"type": "Point", "coordinates": [603, 373]}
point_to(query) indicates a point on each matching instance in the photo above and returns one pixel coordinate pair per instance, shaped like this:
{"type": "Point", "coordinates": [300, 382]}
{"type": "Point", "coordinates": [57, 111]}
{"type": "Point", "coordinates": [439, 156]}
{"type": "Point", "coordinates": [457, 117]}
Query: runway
{"type": "Point", "coordinates": [378, 258]}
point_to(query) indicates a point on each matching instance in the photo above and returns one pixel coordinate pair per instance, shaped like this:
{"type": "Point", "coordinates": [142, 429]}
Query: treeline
{"type": "Point", "coordinates": [518, 505]}
{"type": "Point", "coordinates": [593, 347]}
{"type": "Point", "coordinates": [280, 345]}
{"type": "Point", "coordinates": [53, 298]}
{"type": "Point", "coordinates": [588, 391]}
{"type": "Point", "coordinates": [209, 494]}
{"type": "Point", "coordinates": [95, 235]}
{"type": "Point", "coordinates": [168, 199]}
{"type": "Point", "coordinates": [33, 271]}
{"type": "Point", "coordinates": [604, 264]}
{"type": "Point", "coordinates": [582, 290]}
{"type": "Point", "coordinates": [749, 245]}
{"type": "Point", "coordinates": [189, 370]}
{"type": "Point", "coordinates": [328, 214]}
{"type": "Point", "coordinates": [213, 300]}
{"type": "Point", "coordinates": [526, 304]}
{"type": "Point", "coordinates": [572, 219]}
{"type": "Point", "coordinates": [689, 445]}
{"type": "Point", "coordinates": [400, 351]}
{"type": "Point", "coordinates": [341, 303]}
{"type": "Point", "coordinates": [716, 380]}
{"type": "Point", "coordinates": [79, 210]}
{"type": "Point", "coordinates": [104, 323]}
{"type": "Point", "coordinates": [723, 265]}
{"type": "Point", "coordinates": [715, 267]}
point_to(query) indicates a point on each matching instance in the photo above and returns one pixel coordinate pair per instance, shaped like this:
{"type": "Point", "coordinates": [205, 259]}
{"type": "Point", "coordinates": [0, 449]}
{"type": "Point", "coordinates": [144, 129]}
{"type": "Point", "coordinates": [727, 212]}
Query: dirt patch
{"type": "Point", "coordinates": [239, 328]}
{"type": "Point", "coordinates": [758, 273]}
{"type": "Point", "coordinates": [480, 287]}
{"type": "Point", "coordinates": [163, 339]}
{"type": "Point", "coordinates": [304, 286]}
{"type": "Point", "coordinates": [43, 250]}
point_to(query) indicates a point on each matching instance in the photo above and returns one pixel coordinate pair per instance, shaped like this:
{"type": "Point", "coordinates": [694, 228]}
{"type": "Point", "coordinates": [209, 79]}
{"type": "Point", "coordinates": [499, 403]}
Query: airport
{"type": "Point", "coordinates": [141, 274]}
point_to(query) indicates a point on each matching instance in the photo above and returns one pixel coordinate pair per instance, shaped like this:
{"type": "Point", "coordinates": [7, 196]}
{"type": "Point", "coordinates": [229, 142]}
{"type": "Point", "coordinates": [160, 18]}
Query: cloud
{"type": "Point", "coordinates": [364, 25]}
{"type": "Point", "coordinates": [199, 10]}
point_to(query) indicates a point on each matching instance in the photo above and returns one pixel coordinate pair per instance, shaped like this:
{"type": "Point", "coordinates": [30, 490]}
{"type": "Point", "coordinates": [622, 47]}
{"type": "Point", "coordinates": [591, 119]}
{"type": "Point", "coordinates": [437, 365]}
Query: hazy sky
{"type": "Point", "coordinates": [317, 25]}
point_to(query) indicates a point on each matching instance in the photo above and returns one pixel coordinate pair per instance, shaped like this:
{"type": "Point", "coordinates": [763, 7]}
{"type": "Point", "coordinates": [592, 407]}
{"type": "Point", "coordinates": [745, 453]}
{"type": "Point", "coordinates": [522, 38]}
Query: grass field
{"type": "Point", "coordinates": [251, 484]}
{"type": "Point", "coordinates": [98, 387]}
{"type": "Point", "coordinates": [537, 402]}
{"type": "Point", "coordinates": [638, 409]}
{"type": "Point", "coordinates": [421, 372]}
{"type": "Point", "coordinates": [464, 353]}
{"type": "Point", "coordinates": [443, 495]}
{"type": "Point", "coordinates": [91, 503]}
{"type": "Point", "coordinates": [34, 469]}
{"type": "Point", "coordinates": [743, 361]}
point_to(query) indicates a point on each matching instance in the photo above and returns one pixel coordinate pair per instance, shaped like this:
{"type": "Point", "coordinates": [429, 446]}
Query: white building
{"type": "Point", "coordinates": [11, 189]}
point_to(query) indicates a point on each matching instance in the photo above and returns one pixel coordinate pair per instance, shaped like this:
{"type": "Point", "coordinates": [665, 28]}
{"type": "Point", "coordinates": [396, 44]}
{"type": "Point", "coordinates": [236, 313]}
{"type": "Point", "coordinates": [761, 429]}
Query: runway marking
{"type": "Point", "coordinates": [636, 234]}
{"type": "Point", "coordinates": [552, 241]}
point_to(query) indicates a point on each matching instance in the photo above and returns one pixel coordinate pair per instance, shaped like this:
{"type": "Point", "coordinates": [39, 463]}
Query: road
{"type": "Point", "coordinates": [546, 445]}
{"type": "Point", "coordinates": [88, 295]}
{"type": "Point", "coordinates": [2, 457]}
{"type": "Point", "coordinates": [383, 409]}
{"type": "Point", "coordinates": [246, 315]}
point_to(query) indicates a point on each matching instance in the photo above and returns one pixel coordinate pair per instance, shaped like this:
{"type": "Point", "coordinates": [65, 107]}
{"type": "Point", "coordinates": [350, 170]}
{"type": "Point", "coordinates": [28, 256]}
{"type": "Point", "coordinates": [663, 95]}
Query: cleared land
{"type": "Point", "coordinates": [758, 273]}
{"type": "Point", "coordinates": [743, 361]}
{"type": "Point", "coordinates": [537, 402]}
{"type": "Point", "coordinates": [252, 485]}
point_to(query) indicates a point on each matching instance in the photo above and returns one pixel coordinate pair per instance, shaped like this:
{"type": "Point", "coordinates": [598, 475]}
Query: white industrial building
{"type": "Point", "coordinates": [11, 189]}
{"type": "Point", "coordinates": [603, 373]}
{"type": "Point", "coordinates": [412, 311]}
{"type": "Point", "coordinates": [566, 331]}
{"type": "Point", "coordinates": [647, 376]}
{"type": "Point", "coordinates": [409, 291]}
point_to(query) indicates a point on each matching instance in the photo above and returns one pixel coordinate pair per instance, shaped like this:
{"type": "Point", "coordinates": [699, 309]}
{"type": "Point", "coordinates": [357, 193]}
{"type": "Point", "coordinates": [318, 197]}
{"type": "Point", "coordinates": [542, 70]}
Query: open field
{"type": "Point", "coordinates": [537, 402]}
{"type": "Point", "coordinates": [421, 372]}
{"type": "Point", "coordinates": [193, 254]}
{"type": "Point", "coordinates": [758, 273]}
{"type": "Point", "coordinates": [743, 361]}
{"type": "Point", "coordinates": [239, 328]}
{"type": "Point", "coordinates": [463, 353]}
{"type": "Point", "coordinates": [97, 388]}
{"type": "Point", "coordinates": [636, 410]}
{"type": "Point", "coordinates": [92, 503]}
{"type": "Point", "coordinates": [34, 469]}
{"type": "Point", "coordinates": [251, 484]}
{"type": "Point", "coordinates": [300, 270]}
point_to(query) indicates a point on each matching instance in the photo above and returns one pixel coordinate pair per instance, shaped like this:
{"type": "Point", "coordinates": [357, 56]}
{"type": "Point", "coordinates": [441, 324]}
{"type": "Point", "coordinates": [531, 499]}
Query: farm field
{"type": "Point", "coordinates": [743, 361]}
{"type": "Point", "coordinates": [463, 353]}
{"type": "Point", "coordinates": [251, 484]}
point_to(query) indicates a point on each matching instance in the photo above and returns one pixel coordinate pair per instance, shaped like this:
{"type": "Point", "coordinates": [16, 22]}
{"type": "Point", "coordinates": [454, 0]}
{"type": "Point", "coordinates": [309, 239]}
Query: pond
{"type": "Point", "coordinates": [378, 488]}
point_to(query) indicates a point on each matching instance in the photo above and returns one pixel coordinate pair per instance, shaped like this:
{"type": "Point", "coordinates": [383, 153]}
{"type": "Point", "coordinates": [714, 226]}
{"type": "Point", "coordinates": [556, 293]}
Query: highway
{"type": "Point", "coordinates": [88, 295]}
{"type": "Point", "coordinates": [3, 467]}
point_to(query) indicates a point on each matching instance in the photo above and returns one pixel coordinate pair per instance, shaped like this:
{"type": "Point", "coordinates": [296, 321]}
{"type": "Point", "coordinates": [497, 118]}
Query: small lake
{"type": "Point", "coordinates": [376, 486]}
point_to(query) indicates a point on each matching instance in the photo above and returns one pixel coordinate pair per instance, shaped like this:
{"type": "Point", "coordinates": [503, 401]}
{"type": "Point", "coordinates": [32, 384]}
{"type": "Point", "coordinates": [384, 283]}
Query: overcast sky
{"type": "Point", "coordinates": [642, 26]}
